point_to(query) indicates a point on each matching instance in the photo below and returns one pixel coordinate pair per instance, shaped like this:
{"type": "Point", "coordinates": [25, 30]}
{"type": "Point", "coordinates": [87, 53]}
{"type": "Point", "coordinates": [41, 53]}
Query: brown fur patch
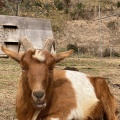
{"type": "Point", "coordinates": [24, 107]}
{"type": "Point", "coordinates": [107, 107]}
{"type": "Point", "coordinates": [63, 98]}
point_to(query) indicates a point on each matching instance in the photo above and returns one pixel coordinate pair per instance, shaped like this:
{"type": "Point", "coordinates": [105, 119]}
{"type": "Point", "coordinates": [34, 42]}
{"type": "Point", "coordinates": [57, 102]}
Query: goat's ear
{"type": "Point", "coordinates": [14, 55]}
{"type": "Point", "coordinates": [60, 56]}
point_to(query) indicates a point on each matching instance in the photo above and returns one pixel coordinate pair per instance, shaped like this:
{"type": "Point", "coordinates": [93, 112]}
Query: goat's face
{"type": "Point", "coordinates": [37, 70]}
{"type": "Point", "coordinates": [37, 67]}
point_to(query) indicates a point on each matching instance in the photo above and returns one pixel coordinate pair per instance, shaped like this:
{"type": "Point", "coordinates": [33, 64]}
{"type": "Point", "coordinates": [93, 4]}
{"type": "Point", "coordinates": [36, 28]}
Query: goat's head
{"type": "Point", "coordinates": [37, 70]}
{"type": "Point", "coordinates": [37, 66]}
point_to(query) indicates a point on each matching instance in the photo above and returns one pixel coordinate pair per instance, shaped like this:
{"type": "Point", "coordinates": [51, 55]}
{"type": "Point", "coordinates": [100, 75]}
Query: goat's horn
{"type": "Point", "coordinates": [48, 44]}
{"type": "Point", "coordinates": [26, 43]}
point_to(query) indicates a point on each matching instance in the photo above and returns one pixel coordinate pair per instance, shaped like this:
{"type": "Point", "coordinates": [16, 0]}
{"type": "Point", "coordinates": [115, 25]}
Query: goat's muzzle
{"type": "Point", "coordinates": [39, 99]}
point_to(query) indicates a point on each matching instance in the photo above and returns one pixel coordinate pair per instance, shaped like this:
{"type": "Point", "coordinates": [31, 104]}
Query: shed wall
{"type": "Point", "coordinates": [37, 30]}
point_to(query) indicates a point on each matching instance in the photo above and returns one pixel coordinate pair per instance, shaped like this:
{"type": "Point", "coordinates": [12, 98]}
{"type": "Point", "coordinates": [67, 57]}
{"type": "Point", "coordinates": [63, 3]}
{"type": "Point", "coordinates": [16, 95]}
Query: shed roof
{"type": "Point", "coordinates": [26, 22]}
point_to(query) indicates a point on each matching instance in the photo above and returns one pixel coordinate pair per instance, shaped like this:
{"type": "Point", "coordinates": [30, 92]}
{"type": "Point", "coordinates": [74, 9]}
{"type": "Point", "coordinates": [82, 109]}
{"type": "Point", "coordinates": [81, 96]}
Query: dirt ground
{"type": "Point", "coordinates": [10, 72]}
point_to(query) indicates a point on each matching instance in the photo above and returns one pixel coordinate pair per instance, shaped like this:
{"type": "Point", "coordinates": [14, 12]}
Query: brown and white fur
{"type": "Point", "coordinates": [45, 93]}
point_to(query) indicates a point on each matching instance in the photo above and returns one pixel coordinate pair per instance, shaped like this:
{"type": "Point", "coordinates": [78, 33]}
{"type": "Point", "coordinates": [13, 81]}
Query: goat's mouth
{"type": "Point", "coordinates": [40, 103]}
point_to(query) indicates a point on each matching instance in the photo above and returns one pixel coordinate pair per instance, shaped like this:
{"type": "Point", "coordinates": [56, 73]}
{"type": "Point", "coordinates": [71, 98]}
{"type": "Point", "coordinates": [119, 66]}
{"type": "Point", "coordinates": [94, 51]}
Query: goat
{"type": "Point", "coordinates": [45, 93]}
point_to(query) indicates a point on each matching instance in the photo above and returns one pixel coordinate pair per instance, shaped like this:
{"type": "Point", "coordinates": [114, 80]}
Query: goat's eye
{"type": "Point", "coordinates": [23, 69]}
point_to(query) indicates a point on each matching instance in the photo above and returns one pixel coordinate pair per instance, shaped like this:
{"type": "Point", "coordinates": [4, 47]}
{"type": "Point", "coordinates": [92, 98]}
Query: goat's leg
{"type": "Point", "coordinates": [106, 98]}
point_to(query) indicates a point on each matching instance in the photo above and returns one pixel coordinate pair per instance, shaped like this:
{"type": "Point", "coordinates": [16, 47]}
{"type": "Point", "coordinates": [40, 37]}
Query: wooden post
{"type": "Point", "coordinates": [100, 32]}
{"type": "Point", "coordinates": [110, 52]}
{"type": "Point", "coordinates": [78, 52]}
{"type": "Point", "coordinates": [17, 9]}
{"type": "Point", "coordinates": [18, 6]}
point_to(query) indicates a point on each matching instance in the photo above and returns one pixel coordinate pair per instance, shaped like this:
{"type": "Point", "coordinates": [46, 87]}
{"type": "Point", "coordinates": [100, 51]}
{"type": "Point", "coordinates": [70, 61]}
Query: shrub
{"type": "Point", "coordinates": [67, 2]}
{"type": "Point", "coordinates": [106, 53]}
{"type": "Point", "coordinates": [73, 13]}
{"type": "Point", "coordinates": [59, 5]}
{"type": "Point", "coordinates": [38, 3]}
{"type": "Point", "coordinates": [83, 49]}
{"type": "Point", "coordinates": [80, 6]}
{"type": "Point", "coordinates": [77, 11]}
{"type": "Point", "coordinates": [118, 4]}
{"type": "Point", "coordinates": [113, 53]}
{"type": "Point", "coordinates": [56, 28]}
{"type": "Point", "coordinates": [47, 6]}
{"type": "Point", "coordinates": [66, 10]}
{"type": "Point", "coordinates": [72, 46]}
{"type": "Point", "coordinates": [111, 24]}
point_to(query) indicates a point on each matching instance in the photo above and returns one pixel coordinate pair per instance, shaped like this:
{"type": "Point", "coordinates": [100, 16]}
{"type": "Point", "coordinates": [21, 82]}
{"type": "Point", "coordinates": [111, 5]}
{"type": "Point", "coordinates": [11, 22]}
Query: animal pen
{"type": "Point", "coordinates": [12, 28]}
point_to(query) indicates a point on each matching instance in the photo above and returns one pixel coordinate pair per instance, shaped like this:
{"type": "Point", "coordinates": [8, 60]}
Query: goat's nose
{"type": "Point", "coordinates": [38, 94]}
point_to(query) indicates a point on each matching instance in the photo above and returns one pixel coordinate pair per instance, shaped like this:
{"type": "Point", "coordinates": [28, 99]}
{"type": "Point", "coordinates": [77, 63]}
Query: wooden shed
{"type": "Point", "coordinates": [12, 28]}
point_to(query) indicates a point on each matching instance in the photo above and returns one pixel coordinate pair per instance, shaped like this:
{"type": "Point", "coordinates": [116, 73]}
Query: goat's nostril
{"type": "Point", "coordinates": [38, 94]}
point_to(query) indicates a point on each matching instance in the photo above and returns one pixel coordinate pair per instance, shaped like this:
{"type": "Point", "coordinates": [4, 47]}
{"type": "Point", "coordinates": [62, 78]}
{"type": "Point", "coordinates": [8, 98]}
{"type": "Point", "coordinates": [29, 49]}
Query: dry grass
{"type": "Point", "coordinates": [10, 72]}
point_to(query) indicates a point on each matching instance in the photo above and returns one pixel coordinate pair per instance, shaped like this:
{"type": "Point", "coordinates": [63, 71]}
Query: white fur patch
{"type": "Point", "coordinates": [35, 115]}
{"type": "Point", "coordinates": [54, 119]}
{"type": "Point", "coordinates": [85, 95]}
{"type": "Point", "coordinates": [39, 55]}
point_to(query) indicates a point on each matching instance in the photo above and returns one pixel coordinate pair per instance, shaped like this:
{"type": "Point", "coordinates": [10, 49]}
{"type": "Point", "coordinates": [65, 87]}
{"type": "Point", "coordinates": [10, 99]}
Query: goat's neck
{"type": "Point", "coordinates": [49, 91]}
{"type": "Point", "coordinates": [25, 109]}
{"type": "Point", "coordinates": [27, 99]}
